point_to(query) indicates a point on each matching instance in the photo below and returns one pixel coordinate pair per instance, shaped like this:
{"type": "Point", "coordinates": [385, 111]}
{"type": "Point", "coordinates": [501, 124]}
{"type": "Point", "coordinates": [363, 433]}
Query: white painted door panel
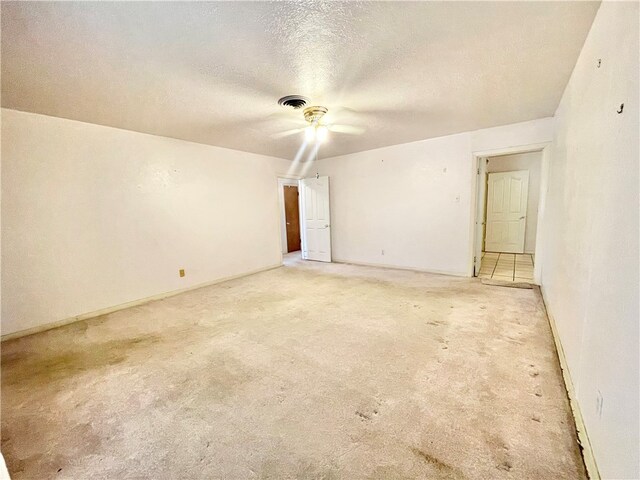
{"type": "Point", "coordinates": [507, 211]}
{"type": "Point", "coordinates": [316, 225]}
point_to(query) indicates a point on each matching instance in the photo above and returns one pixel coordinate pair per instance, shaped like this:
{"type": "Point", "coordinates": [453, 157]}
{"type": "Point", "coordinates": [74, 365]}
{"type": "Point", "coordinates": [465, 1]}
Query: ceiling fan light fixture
{"type": "Point", "coordinates": [310, 133]}
{"type": "Point", "coordinates": [314, 114]}
{"type": "Point", "coordinates": [322, 133]}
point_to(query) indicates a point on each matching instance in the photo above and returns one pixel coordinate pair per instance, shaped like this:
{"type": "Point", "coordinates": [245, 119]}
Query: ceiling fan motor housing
{"type": "Point", "coordinates": [314, 114]}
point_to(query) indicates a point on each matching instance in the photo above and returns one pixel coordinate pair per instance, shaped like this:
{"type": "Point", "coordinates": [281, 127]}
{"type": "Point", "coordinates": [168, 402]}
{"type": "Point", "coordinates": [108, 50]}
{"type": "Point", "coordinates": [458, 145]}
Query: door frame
{"type": "Point", "coordinates": [282, 181]}
{"type": "Point", "coordinates": [479, 205]}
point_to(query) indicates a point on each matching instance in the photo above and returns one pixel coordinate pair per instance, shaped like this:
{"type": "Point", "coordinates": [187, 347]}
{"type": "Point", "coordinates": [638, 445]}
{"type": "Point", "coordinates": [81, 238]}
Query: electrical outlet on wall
{"type": "Point", "coordinates": [599, 403]}
{"type": "Point", "coordinates": [181, 272]}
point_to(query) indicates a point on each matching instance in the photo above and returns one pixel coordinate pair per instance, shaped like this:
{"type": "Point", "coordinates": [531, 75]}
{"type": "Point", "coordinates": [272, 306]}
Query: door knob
{"type": "Point", "coordinates": [522, 218]}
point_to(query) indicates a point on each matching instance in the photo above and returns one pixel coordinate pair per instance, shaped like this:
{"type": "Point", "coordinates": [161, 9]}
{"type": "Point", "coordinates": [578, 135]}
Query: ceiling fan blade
{"type": "Point", "coordinates": [290, 116]}
{"type": "Point", "coordinates": [286, 133]}
{"type": "Point", "coordinates": [348, 129]}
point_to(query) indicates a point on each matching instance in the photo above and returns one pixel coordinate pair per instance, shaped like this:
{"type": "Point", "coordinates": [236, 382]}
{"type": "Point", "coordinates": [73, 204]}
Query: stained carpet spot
{"type": "Point", "coordinates": [363, 416]}
{"type": "Point", "coordinates": [56, 365]}
{"type": "Point", "coordinates": [445, 468]}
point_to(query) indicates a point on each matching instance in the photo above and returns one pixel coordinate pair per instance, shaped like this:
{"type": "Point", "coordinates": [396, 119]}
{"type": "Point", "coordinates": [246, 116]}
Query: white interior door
{"type": "Point", "coordinates": [507, 211]}
{"type": "Point", "coordinates": [316, 226]}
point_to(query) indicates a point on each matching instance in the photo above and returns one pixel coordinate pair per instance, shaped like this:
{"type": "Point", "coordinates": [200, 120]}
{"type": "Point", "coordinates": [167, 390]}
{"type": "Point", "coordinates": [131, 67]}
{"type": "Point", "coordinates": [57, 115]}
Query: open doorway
{"type": "Point", "coordinates": [290, 216]}
{"type": "Point", "coordinates": [510, 199]}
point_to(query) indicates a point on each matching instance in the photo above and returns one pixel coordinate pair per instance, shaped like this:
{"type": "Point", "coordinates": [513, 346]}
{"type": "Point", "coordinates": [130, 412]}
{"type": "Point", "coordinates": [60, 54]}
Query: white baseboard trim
{"type": "Point", "coordinates": [396, 267]}
{"type": "Point", "coordinates": [583, 438]}
{"type": "Point", "coordinates": [134, 303]}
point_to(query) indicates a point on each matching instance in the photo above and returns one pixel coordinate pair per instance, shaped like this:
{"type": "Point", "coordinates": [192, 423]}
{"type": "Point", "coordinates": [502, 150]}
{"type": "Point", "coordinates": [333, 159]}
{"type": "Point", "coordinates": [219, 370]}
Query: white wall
{"type": "Point", "coordinates": [531, 161]}
{"type": "Point", "coordinates": [590, 267]}
{"type": "Point", "coordinates": [415, 201]}
{"type": "Point", "coordinates": [94, 217]}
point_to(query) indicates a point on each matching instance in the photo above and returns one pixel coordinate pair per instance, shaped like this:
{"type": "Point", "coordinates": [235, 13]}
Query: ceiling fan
{"type": "Point", "coordinates": [316, 129]}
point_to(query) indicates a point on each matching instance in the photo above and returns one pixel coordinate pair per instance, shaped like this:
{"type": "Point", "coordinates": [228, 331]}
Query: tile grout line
{"type": "Point", "coordinates": [495, 266]}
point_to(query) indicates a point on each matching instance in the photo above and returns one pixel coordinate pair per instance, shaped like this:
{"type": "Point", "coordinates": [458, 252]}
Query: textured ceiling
{"type": "Point", "coordinates": [213, 72]}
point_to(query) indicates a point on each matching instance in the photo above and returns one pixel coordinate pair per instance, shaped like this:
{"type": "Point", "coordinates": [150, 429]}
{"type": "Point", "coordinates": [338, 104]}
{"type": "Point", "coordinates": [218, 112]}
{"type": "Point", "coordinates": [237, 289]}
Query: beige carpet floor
{"type": "Point", "coordinates": [311, 371]}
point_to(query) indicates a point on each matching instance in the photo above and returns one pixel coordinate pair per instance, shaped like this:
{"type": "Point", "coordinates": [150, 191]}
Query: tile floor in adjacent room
{"type": "Point", "coordinates": [516, 267]}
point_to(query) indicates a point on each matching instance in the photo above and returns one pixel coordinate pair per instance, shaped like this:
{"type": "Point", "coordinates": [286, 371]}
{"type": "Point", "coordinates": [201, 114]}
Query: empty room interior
{"type": "Point", "coordinates": [320, 240]}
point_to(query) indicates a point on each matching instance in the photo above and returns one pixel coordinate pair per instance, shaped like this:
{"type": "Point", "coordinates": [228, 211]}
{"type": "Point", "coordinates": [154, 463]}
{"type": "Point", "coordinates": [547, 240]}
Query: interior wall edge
{"type": "Point", "coordinates": [143, 133]}
{"type": "Point", "coordinates": [134, 303]}
{"type": "Point", "coordinates": [481, 140]}
{"type": "Point", "coordinates": [401, 267]}
{"type": "Point", "coordinates": [583, 437]}
{"type": "Point", "coordinates": [423, 192]}
{"type": "Point", "coordinates": [95, 217]}
{"type": "Point", "coordinates": [590, 259]}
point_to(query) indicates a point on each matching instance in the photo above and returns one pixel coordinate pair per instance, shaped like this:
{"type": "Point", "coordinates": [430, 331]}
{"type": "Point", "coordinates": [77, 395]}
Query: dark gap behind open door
{"type": "Point", "coordinates": [292, 217]}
